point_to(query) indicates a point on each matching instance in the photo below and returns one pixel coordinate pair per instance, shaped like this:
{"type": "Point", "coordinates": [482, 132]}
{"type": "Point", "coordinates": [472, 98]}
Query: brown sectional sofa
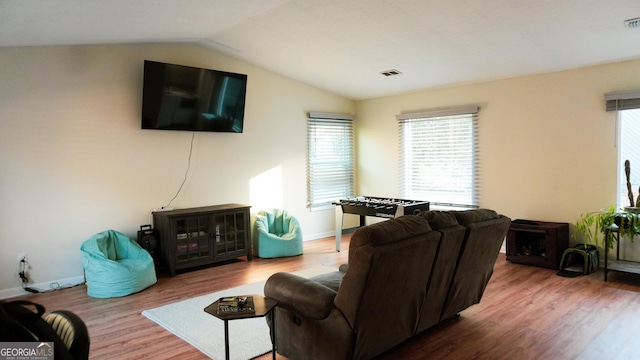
{"type": "Point", "coordinates": [404, 276]}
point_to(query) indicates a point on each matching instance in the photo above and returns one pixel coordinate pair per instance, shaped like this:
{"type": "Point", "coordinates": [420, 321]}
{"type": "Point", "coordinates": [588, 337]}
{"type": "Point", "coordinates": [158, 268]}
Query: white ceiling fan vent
{"type": "Point", "coordinates": [391, 72]}
{"type": "Point", "coordinates": [632, 23]}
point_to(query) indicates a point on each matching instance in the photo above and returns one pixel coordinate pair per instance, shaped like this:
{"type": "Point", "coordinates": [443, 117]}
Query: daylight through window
{"type": "Point", "coordinates": [628, 149]}
{"type": "Point", "coordinates": [330, 159]}
{"type": "Point", "coordinates": [627, 105]}
{"type": "Point", "coordinates": [439, 156]}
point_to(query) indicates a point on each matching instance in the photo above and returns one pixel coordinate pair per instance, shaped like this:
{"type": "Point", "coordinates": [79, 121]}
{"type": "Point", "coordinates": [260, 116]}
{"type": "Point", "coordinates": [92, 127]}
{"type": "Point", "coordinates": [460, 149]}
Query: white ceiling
{"type": "Point", "coordinates": [343, 45]}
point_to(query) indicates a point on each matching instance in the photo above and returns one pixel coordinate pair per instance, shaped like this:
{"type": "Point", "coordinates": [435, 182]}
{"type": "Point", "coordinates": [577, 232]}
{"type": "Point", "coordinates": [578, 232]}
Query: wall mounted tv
{"type": "Point", "coordinates": [177, 97]}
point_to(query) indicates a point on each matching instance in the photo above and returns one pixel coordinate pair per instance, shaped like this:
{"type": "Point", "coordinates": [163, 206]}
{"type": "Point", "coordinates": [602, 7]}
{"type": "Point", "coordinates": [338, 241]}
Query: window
{"type": "Point", "coordinates": [439, 156]}
{"type": "Point", "coordinates": [627, 104]}
{"type": "Point", "coordinates": [629, 133]}
{"type": "Point", "coordinates": [331, 160]}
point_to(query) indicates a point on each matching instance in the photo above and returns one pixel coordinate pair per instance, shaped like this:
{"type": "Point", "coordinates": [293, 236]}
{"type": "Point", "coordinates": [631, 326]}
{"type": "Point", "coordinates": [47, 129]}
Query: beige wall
{"type": "Point", "coordinates": [75, 161]}
{"type": "Point", "coordinates": [546, 144]}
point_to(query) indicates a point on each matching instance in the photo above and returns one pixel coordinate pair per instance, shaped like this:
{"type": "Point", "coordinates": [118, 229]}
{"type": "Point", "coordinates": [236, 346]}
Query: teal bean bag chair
{"type": "Point", "coordinates": [276, 234]}
{"type": "Point", "coordinates": [114, 265]}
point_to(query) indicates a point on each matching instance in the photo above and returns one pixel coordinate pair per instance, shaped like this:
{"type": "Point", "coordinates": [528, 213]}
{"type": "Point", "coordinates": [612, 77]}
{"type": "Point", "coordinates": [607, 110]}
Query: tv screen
{"type": "Point", "coordinates": [177, 97]}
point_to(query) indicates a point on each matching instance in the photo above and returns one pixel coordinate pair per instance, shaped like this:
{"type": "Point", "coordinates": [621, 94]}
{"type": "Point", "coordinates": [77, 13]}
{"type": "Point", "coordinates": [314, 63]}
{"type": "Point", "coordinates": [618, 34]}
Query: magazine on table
{"type": "Point", "coordinates": [236, 305]}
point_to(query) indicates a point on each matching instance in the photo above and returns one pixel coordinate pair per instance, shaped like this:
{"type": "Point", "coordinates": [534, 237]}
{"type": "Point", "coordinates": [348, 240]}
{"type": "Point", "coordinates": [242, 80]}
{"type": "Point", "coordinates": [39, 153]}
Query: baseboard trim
{"type": "Point", "coordinates": [42, 287]}
{"type": "Point", "coordinates": [76, 280]}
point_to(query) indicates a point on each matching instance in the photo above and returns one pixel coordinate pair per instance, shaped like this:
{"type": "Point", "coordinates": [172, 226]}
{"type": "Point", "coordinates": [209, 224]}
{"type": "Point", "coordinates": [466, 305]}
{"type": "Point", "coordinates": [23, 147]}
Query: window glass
{"type": "Point", "coordinates": [330, 163]}
{"type": "Point", "coordinates": [628, 149]}
{"type": "Point", "coordinates": [440, 160]}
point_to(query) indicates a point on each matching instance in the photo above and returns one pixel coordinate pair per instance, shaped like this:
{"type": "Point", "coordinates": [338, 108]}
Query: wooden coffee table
{"type": "Point", "coordinates": [263, 307]}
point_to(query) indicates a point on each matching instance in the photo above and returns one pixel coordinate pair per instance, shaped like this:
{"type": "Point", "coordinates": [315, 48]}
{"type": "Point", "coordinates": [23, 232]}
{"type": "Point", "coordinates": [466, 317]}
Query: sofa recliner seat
{"type": "Point", "coordinates": [403, 276]}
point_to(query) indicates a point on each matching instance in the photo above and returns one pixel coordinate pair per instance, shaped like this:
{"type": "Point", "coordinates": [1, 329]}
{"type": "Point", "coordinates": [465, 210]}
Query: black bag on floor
{"type": "Point", "coordinates": [581, 259]}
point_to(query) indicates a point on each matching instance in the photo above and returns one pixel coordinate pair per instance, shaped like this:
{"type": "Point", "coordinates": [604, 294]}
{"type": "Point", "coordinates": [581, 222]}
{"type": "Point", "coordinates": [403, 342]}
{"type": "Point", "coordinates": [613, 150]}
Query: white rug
{"type": "Point", "coordinates": [248, 338]}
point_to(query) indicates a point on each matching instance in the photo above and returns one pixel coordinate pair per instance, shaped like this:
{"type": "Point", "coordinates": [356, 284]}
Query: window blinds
{"type": "Point", "coordinates": [330, 160]}
{"type": "Point", "coordinates": [622, 100]}
{"type": "Point", "coordinates": [439, 156]}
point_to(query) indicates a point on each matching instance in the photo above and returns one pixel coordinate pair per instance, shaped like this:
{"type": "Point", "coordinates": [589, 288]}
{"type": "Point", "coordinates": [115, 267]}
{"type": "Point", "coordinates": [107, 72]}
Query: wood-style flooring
{"type": "Point", "coordinates": [526, 313]}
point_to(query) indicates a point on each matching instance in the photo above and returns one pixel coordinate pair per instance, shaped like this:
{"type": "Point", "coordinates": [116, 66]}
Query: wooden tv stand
{"type": "Point", "coordinates": [203, 235]}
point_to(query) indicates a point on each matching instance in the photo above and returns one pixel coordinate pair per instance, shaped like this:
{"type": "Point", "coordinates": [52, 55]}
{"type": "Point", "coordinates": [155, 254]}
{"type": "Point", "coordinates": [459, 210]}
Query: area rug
{"type": "Point", "coordinates": [248, 338]}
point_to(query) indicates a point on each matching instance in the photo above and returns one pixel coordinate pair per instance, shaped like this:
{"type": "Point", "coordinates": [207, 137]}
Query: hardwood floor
{"type": "Point", "coordinates": [526, 313]}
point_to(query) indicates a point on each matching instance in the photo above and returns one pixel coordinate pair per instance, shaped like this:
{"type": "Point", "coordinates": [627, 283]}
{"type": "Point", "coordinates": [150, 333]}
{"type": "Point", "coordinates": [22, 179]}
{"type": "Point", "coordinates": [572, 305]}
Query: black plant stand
{"type": "Point", "coordinates": [631, 267]}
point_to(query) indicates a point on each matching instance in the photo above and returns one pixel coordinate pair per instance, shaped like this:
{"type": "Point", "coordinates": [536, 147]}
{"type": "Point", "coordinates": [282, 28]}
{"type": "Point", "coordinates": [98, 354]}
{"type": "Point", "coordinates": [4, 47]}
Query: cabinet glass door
{"type": "Point", "coordinates": [193, 236]}
{"type": "Point", "coordinates": [229, 233]}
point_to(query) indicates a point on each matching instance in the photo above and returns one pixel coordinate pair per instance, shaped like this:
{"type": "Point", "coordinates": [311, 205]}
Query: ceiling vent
{"type": "Point", "coordinates": [391, 72]}
{"type": "Point", "coordinates": [632, 23]}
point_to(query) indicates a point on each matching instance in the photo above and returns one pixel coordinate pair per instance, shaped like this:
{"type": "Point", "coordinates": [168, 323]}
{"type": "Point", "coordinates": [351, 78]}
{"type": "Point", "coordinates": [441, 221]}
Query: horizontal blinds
{"type": "Point", "coordinates": [622, 100]}
{"type": "Point", "coordinates": [330, 165]}
{"type": "Point", "coordinates": [329, 116]}
{"type": "Point", "coordinates": [436, 113]}
{"type": "Point", "coordinates": [439, 156]}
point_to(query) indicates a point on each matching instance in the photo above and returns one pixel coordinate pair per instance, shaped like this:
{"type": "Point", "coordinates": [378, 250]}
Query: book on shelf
{"type": "Point", "coordinates": [236, 305]}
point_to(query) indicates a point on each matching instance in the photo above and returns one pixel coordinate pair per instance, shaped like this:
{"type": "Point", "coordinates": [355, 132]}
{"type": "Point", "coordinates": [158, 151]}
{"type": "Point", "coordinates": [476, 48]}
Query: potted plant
{"type": "Point", "coordinates": [593, 225]}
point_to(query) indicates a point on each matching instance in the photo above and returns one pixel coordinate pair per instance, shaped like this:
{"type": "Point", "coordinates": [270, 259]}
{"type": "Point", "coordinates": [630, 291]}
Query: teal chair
{"type": "Point", "coordinates": [115, 265]}
{"type": "Point", "coordinates": [276, 234]}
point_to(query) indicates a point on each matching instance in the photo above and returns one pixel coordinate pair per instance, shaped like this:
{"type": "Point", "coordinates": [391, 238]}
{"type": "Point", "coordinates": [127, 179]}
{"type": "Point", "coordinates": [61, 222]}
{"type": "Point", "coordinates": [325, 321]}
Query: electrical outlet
{"type": "Point", "coordinates": [22, 256]}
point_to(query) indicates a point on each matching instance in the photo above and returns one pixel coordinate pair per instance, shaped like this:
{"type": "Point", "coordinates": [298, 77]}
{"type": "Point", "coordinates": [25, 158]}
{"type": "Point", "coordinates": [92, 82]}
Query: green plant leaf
{"type": "Point", "coordinates": [594, 225]}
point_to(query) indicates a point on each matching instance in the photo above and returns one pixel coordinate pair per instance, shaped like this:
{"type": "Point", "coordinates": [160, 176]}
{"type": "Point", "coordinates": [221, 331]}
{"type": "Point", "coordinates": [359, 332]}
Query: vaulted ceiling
{"type": "Point", "coordinates": [343, 45]}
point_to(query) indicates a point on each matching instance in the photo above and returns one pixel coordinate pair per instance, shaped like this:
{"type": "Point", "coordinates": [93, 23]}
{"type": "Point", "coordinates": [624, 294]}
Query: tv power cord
{"type": "Point", "coordinates": [23, 277]}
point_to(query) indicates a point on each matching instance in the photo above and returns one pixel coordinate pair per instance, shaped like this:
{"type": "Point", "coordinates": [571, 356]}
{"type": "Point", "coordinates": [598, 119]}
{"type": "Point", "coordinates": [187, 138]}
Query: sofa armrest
{"type": "Point", "coordinates": [307, 297]}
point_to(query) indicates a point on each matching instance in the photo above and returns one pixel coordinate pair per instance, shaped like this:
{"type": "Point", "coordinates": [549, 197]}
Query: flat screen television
{"type": "Point", "coordinates": [177, 97]}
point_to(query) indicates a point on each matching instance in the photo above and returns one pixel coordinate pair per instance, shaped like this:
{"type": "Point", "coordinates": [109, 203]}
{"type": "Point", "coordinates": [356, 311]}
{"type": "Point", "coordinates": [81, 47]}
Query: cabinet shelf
{"type": "Point", "coordinates": [202, 236]}
{"type": "Point", "coordinates": [624, 266]}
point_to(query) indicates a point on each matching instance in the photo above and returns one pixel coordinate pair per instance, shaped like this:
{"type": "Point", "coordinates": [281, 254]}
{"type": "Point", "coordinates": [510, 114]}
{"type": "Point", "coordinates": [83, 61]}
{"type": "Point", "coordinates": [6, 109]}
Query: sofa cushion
{"type": "Point", "coordinates": [472, 216]}
{"type": "Point", "coordinates": [400, 228]}
{"type": "Point", "coordinates": [331, 280]}
{"type": "Point", "coordinates": [439, 219]}
{"type": "Point", "coordinates": [386, 232]}
{"type": "Point", "coordinates": [452, 238]}
{"type": "Point", "coordinates": [302, 295]}
{"type": "Point", "coordinates": [393, 265]}
{"type": "Point", "coordinates": [475, 265]}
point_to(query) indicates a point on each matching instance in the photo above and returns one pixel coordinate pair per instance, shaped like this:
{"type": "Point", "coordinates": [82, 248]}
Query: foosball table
{"type": "Point", "coordinates": [377, 207]}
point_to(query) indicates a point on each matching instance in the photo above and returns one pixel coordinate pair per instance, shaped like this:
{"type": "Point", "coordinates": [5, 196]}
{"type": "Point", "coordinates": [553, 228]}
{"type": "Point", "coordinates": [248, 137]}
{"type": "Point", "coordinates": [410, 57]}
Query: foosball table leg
{"type": "Point", "coordinates": [339, 216]}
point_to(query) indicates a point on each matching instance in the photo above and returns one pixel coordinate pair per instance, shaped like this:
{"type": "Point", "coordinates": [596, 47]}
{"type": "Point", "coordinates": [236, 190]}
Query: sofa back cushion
{"type": "Point", "coordinates": [388, 231]}
{"type": "Point", "coordinates": [439, 219]}
{"type": "Point", "coordinates": [444, 266]}
{"type": "Point", "coordinates": [485, 234]}
{"type": "Point", "coordinates": [382, 292]}
{"type": "Point", "coordinates": [475, 216]}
